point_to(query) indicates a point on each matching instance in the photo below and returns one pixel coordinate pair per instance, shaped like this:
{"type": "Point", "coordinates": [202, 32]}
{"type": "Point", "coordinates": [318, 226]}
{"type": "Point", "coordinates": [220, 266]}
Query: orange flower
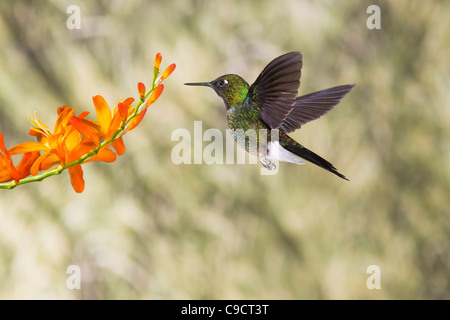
{"type": "Point", "coordinates": [60, 143]}
{"type": "Point", "coordinates": [168, 71]}
{"type": "Point", "coordinates": [135, 121]}
{"type": "Point", "coordinates": [123, 112]}
{"type": "Point", "coordinates": [141, 90]}
{"type": "Point", "coordinates": [76, 140]}
{"type": "Point", "coordinates": [154, 96]}
{"type": "Point", "coordinates": [62, 146]}
{"type": "Point", "coordinates": [157, 64]}
{"type": "Point", "coordinates": [10, 172]}
{"type": "Point", "coordinates": [108, 123]}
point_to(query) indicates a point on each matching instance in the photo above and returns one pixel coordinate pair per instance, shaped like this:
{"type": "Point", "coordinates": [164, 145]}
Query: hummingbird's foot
{"type": "Point", "coordinates": [269, 165]}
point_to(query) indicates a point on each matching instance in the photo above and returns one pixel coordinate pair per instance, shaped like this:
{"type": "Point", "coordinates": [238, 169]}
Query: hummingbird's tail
{"type": "Point", "coordinates": [300, 151]}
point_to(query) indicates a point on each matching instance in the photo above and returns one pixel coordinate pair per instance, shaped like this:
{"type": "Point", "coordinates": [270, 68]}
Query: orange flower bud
{"type": "Point", "coordinates": [123, 111]}
{"type": "Point", "coordinates": [135, 121]}
{"type": "Point", "coordinates": [168, 71]}
{"type": "Point", "coordinates": [141, 89]}
{"type": "Point", "coordinates": [155, 95]}
{"type": "Point", "coordinates": [158, 59]}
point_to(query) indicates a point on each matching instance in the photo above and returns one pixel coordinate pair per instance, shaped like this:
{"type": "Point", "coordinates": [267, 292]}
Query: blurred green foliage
{"type": "Point", "coordinates": [146, 228]}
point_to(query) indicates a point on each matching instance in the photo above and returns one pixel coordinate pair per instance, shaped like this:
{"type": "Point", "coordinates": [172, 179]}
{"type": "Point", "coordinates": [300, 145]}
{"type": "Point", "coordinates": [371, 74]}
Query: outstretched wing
{"type": "Point", "coordinates": [314, 105]}
{"type": "Point", "coordinates": [275, 89]}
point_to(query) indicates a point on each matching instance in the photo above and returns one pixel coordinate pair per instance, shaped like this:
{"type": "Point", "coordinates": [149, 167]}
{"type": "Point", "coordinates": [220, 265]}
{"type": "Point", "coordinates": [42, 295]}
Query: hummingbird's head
{"type": "Point", "coordinates": [230, 87]}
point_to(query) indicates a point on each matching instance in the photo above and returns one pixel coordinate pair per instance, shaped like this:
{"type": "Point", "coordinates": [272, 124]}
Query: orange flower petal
{"type": "Point", "coordinates": [115, 124]}
{"type": "Point", "coordinates": [62, 120]}
{"type": "Point", "coordinates": [128, 101]}
{"type": "Point", "coordinates": [105, 155]}
{"type": "Point", "coordinates": [2, 145]}
{"type": "Point", "coordinates": [55, 141]}
{"type": "Point", "coordinates": [103, 112]}
{"type": "Point", "coordinates": [168, 71]}
{"type": "Point", "coordinates": [61, 109]}
{"type": "Point", "coordinates": [25, 164]}
{"type": "Point", "coordinates": [34, 170]}
{"type": "Point", "coordinates": [10, 171]}
{"type": "Point", "coordinates": [27, 147]}
{"type": "Point", "coordinates": [88, 129]}
{"type": "Point", "coordinates": [85, 146]}
{"type": "Point", "coordinates": [71, 142]}
{"type": "Point", "coordinates": [76, 178]}
{"type": "Point", "coordinates": [119, 146]}
{"type": "Point", "coordinates": [50, 161]}
{"type": "Point", "coordinates": [83, 115]}
{"type": "Point", "coordinates": [4, 176]}
{"type": "Point", "coordinates": [126, 111]}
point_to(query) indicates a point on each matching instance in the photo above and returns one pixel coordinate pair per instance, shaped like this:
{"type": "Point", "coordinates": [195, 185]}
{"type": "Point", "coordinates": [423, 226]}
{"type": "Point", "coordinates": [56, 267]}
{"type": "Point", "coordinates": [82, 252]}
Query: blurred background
{"type": "Point", "coordinates": [145, 228]}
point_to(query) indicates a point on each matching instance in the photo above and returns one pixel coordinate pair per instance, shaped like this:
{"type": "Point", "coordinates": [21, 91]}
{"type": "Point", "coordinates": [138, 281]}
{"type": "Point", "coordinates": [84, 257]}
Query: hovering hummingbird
{"type": "Point", "coordinates": [271, 103]}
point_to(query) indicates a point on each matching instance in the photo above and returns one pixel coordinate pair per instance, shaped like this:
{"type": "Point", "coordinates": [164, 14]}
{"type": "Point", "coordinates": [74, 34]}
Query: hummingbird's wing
{"type": "Point", "coordinates": [275, 89]}
{"type": "Point", "coordinates": [314, 105]}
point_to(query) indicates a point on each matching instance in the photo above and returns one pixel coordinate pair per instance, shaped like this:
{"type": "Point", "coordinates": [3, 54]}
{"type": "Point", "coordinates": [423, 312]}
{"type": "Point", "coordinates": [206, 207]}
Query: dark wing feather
{"type": "Point", "coordinates": [275, 89]}
{"type": "Point", "coordinates": [314, 105]}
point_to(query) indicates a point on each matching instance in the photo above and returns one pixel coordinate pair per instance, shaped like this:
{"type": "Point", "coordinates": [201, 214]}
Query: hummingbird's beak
{"type": "Point", "coordinates": [204, 84]}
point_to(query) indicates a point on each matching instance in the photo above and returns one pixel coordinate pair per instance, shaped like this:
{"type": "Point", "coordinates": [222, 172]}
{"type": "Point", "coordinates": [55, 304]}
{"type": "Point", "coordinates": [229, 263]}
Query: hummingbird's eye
{"type": "Point", "coordinates": [222, 83]}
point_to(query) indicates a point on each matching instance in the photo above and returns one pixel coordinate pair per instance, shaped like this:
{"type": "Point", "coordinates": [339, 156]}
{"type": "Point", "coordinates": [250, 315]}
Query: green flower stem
{"type": "Point", "coordinates": [155, 75]}
{"type": "Point", "coordinates": [88, 155]}
{"type": "Point", "coordinates": [39, 177]}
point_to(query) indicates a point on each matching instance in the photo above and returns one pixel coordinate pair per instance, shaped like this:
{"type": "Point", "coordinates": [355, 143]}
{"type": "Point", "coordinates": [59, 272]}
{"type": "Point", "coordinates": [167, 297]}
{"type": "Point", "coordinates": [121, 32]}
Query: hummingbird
{"type": "Point", "coordinates": [271, 102]}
